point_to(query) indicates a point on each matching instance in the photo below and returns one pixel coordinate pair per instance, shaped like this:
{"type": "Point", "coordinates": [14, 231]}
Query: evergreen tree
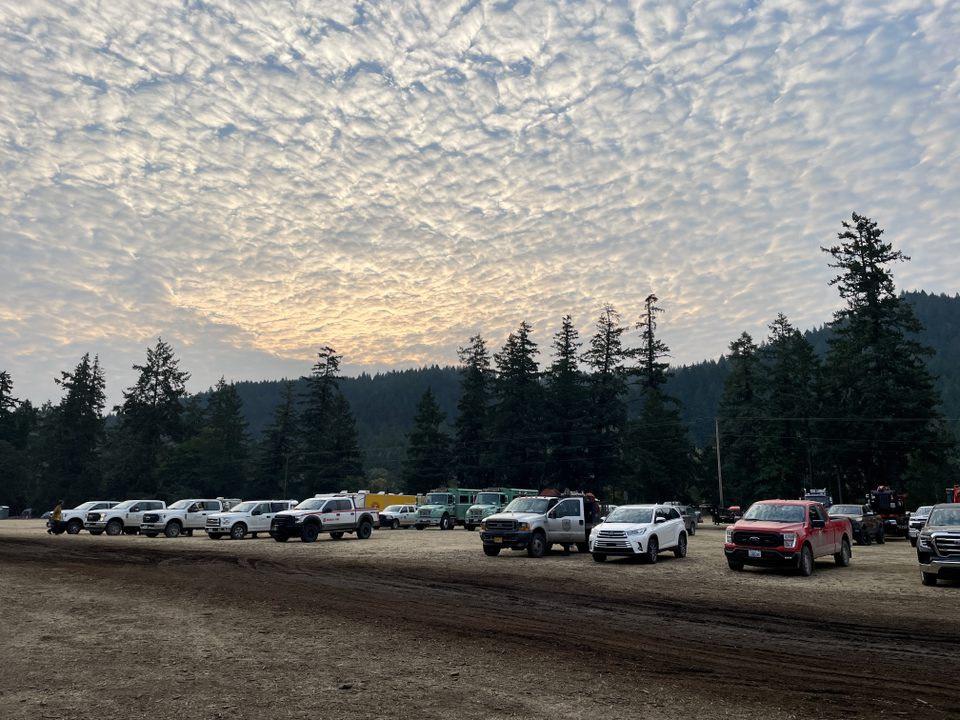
{"type": "Point", "coordinates": [277, 470]}
{"type": "Point", "coordinates": [429, 459]}
{"type": "Point", "coordinates": [567, 412]}
{"type": "Point", "coordinates": [471, 463]}
{"type": "Point", "coordinates": [740, 425]}
{"type": "Point", "coordinates": [225, 437]}
{"type": "Point", "coordinates": [329, 449]}
{"type": "Point", "coordinates": [607, 389]}
{"type": "Point", "coordinates": [790, 378]}
{"type": "Point", "coordinates": [661, 458]}
{"type": "Point", "coordinates": [876, 370]}
{"type": "Point", "coordinates": [18, 424]}
{"type": "Point", "coordinates": [78, 426]}
{"type": "Point", "coordinates": [518, 440]}
{"type": "Point", "coordinates": [8, 403]}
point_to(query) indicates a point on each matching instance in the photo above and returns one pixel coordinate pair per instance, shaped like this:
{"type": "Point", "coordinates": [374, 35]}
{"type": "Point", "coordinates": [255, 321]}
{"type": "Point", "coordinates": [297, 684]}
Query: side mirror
{"type": "Point", "coordinates": [603, 519]}
{"type": "Point", "coordinates": [256, 512]}
{"type": "Point", "coordinates": [818, 524]}
{"type": "Point", "coordinates": [660, 520]}
{"type": "Point", "coordinates": [135, 508]}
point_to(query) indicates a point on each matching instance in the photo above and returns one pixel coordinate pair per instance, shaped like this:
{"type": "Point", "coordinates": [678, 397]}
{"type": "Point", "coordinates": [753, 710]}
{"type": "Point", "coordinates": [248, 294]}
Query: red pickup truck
{"type": "Point", "coordinates": [787, 532]}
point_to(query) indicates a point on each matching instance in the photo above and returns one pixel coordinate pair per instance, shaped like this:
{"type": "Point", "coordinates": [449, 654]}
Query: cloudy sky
{"type": "Point", "coordinates": [252, 180]}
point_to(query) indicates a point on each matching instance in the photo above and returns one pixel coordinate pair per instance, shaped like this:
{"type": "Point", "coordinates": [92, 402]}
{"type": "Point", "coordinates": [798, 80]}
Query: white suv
{"type": "Point", "coordinates": [252, 517]}
{"type": "Point", "coordinates": [641, 531]}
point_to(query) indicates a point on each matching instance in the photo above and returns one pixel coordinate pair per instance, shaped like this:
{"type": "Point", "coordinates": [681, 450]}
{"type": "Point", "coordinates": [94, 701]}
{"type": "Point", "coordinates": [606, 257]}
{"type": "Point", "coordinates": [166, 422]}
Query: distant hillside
{"type": "Point", "coordinates": [384, 403]}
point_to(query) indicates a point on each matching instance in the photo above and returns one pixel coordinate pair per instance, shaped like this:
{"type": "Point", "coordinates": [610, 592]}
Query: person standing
{"type": "Point", "coordinates": [56, 518]}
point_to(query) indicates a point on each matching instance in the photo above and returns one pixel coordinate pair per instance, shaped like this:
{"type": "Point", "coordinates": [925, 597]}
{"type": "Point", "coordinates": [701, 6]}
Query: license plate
{"type": "Point", "coordinates": [498, 541]}
{"type": "Point", "coordinates": [754, 553]}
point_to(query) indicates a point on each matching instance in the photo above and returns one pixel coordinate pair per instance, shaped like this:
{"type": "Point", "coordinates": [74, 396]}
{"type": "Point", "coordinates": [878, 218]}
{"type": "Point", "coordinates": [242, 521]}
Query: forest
{"type": "Point", "coordinates": [870, 398]}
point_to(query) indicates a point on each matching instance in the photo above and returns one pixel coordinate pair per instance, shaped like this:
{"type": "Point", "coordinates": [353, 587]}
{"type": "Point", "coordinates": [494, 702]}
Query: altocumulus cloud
{"type": "Point", "coordinates": [252, 179]}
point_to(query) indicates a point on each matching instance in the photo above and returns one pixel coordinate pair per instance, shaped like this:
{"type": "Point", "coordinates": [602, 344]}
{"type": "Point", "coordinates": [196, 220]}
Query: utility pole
{"type": "Point", "coordinates": [716, 429]}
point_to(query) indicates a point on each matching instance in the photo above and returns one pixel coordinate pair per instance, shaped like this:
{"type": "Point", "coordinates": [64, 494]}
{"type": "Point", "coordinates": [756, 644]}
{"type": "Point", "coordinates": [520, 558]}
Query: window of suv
{"type": "Point", "coordinates": [672, 514]}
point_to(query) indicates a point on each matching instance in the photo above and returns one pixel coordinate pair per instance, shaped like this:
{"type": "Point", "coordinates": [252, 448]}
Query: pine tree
{"type": "Point", "coordinates": [876, 370]}
{"type": "Point", "coordinates": [225, 437]}
{"type": "Point", "coordinates": [429, 461]}
{"type": "Point", "coordinates": [740, 424]}
{"type": "Point", "coordinates": [471, 462]}
{"type": "Point", "coordinates": [653, 369]}
{"type": "Point", "coordinates": [277, 470]}
{"type": "Point", "coordinates": [8, 403]}
{"type": "Point", "coordinates": [518, 441]}
{"type": "Point", "coordinates": [607, 389]}
{"type": "Point", "coordinates": [78, 426]}
{"type": "Point", "coordinates": [567, 412]}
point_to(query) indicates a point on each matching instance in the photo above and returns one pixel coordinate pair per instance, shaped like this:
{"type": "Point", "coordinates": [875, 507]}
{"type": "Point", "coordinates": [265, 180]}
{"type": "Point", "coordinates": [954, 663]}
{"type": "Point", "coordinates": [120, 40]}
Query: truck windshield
{"type": "Point", "coordinates": [923, 510]}
{"type": "Point", "coordinates": [244, 507]}
{"type": "Point", "coordinates": [393, 508]}
{"type": "Point", "coordinates": [631, 515]}
{"type": "Point", "coordinates": [528, 505]}
{"type": "Point", "coordinates": [85, 506]}
{"type": "Point", "coordinates": [125, 504]}
{"type": "Point", "coordinates": [846, 510]}
{"type": "Point", "coordinates": [181, 504]}
{"type": "Point", "coordinates": [487, 499]}
{"type": "Point", "coordinates": [438, 499]}
{"type": "Point", "coordinates": [944, 516]}
{"type": "Point", "coordinates": [771, 512]}
{"type": "Point", "coordinates": [311, 504]}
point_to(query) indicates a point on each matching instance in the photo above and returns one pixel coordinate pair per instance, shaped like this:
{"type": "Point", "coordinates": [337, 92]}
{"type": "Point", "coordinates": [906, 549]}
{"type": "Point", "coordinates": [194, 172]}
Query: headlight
{"type": "Point", "coordinates": [637, 532]}
{"type": "Point", "coordinates": [483, 525]}
{"type": "Point", "coordinates": [789, 540]}
{"type": "Point", "coordinates": [925, 542]}
{"type": "Point", "coordinates": [595, 531]}
{"type": "Point", "coordinates": [524, 527]}
{"type": "Point", "coordinates": [729, 537]}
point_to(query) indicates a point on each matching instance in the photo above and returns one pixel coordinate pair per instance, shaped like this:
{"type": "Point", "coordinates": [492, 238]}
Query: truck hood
{"type": "Point", "coordinates": [951, 529]}
{"type": "Point", "coordinates": [433, 508]}
{"type": "Point", "coordinates": [519, 517]}
{"type": "Point", "coordinates": [768, 527]}
{"type": "Point", "coordinates": [853, 517]}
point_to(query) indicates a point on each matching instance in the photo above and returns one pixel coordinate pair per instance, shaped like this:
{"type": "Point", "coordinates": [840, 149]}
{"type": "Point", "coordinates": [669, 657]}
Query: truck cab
{"type": "Point", "coordinates": [445, 508]}
{"type": "Point", "coordinates": [536, 523]}
{"type": "Point", "coordinates": [791, 533]}
{"type": "Point", "coordinates": [489, 502]}
{"type": "Point", "coordinates": [183, 516]}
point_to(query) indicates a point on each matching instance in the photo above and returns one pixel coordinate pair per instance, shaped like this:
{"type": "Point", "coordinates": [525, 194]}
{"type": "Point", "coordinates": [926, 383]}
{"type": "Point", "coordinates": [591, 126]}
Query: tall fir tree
{"type": "Point", "coordinates": [567, 411]}
{"type": "Point", "coordinates": [470, 449]}
{"type": "Point", "coordinates": [429, 460]}
{"type": "Point", "coordinates": [277, 467]}
{"type": "Point", "coordinates": [519, 443]}
{"type": "Point", "coordinates": [226, 440]}
{"type": "Point", "coordinates": [78, 426]}
{"type": "Point", "coordinates": [607, 389]}
{"type": "Point", "coordinates": [876, 372]}
{"type": "Point", "coordinates": [740, 424]}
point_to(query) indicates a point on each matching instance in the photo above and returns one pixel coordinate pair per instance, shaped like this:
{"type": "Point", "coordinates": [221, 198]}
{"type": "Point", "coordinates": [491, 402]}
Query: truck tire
{"type": "Point", "coordinates": [865, 538]}
{"type": "Point", "coordinates": [74, 527]}
{"type": "Point", "coordinates": [419, 527]}
{"type": "Point", "coordinates": [445, 523]}
{"type": "Point", "coordinates": [214, 536]}
{"type": "Point", "coordinates": [114, 528]}
{"type": "Point", "coordinates": [842, 558]}
{"type": "Point", "coordinates": [364, 530]}
{"type": "Point", "coordinates": [173, 529]}
{"type": "Point", "coordinates": [680, 550]}
{"type": "Point", "coordinates": [151, 534]}
{"type": "Point", "coordinates": [653, 551]}
{"type": "Point", "coordinates": [913, 542]}
{"type": "Point", "coordinates": [805, 565]}
{"type": "Point", "coordinates": [309, 533]}
{"type": "Point", "coordinates": [734, 565]}
{"type": "Point", "coordinates": [238, 531]}
{"type": "Point", "coordinates": [395, 525]}
{"type": "Point", "coordinates": [599, 557]}
{"type": "Point", "coordinates": [538, 545]}
{"type": "Point", "coordinates": [336, 535]}
{"type": "Point", "coordinates": [491, 550]}
{"type": "Point", "coordinates": [280, 538]}
{"type": "Point", "coordinates": [881, 536]}
{"type": "Point", "coordinates": [470, 528]}
{"type": "Point", "coordinates": [96, 532]}
{"type": "Point", "coordinates": [928, 579]}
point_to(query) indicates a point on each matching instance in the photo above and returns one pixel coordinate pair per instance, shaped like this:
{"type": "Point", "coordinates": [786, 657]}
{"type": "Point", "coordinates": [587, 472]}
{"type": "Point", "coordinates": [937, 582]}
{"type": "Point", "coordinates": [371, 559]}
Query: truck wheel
{"type": "Point", "coordinates": [74, 527]}
{"type": "Point", "coordinates": [491, 550]}
{"type": "Point", "coordinates": [865, 537]}
{"type": "Point", "coordinates": [470, 528]}
{"type": "Point", "coordinates": [214, 536]}
{"type": "Point", "coordinates": [537, 546]}
{"type": "Point", "coordinates": [419, 527]}
{"type": "Point", "coordinates": [735, 565]}
{"type": "Point", "coordinates": [310, 533]}
{"type": "Point", "coordinates": [653, 551]}
{"type": "Point", "coordinates": [173, 529]}
{"type": "Point", "coordinates": [913, 542]}
{"type": "Point", "coordinates": [842, 558]}
{"type": "Point", "coordinates": [680, 550]}
{"type": "Point", "coordinates": [114, 527]}
{"type": "Point", "coordinates": [805, 566]}
{"type": "Point", "coordinates": [336, 535]}
{"type": "Point", "coordinates": [281, 538]}
{"type": "Point", "coordinates": [395, 525]}
{"type": "Point", "coordinates": [238, 531]}
{"type": "Point", "coordinates": [445, 523]}
{"type": "Point", "coordinates": [151, 534]}
{"type": "Point", "coordinates": [96, 532]}
{"type": "Point", "coordinates": [928, 579]}
{"type": "Point", "coordinates": [364, 530]}
{"type": "Point", "coordinates": [599, 557]}
{"type": "Point", "coordinates": [881, 536]}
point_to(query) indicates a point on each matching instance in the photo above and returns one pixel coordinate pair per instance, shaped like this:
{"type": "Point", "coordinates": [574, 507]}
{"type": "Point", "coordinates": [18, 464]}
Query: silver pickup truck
{"type": "Point", "coordinates": [535, 524]}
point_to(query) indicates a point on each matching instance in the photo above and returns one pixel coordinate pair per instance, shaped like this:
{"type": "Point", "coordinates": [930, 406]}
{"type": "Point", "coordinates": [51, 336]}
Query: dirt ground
{"type": "Point", "coordinates": [422, 625]}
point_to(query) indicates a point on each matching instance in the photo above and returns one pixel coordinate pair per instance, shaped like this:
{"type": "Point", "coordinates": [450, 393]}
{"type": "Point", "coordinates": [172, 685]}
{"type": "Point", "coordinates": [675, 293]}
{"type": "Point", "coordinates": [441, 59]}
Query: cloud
{"type": "Point", "coordinates": [256, 179]}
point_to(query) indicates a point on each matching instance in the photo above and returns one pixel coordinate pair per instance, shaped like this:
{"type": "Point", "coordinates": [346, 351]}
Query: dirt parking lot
{"type": "Point", "coordinates": [422, 625]}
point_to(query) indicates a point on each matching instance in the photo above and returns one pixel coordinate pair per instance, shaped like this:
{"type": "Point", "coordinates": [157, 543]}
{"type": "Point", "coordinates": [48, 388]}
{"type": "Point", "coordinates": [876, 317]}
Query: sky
{"type": "Point", "coordinates": [254, 180]}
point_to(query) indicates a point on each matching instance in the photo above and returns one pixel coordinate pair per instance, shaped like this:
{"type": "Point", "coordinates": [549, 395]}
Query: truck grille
{"type": "Point", "coordinates": [501, 525]}
{"type": "Point", "coordinates": [947, 545]}
{"type": "Point", "coordinates": [424, 513]}
{"type": "Point", "coordinates": [285, 521]}
{"type": "Point", "coordinates": [757, 539]}
{"type": "Point", "coordinates": [93, 517]}
{"type": "Point", "coordinates": [213, 522]}
{"type": "Point", "coordinates": [611, 534]}
{"type": "Point", "coordinates": [151, 518]}
{"type": "Point", "coordinates": [611, 540]}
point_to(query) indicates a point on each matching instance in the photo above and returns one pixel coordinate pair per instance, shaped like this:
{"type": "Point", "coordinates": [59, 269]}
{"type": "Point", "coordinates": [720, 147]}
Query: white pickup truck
{"type": "Point", "coordinates": [124, 518]}
{"type": "Point", "coordinates": [184, 516]}
{"type": "Point", "coordinates": [535, 524]}
{"type": "Point", "coordinates": [73, 519]}
{"type": "Point", "coordinates": [250, 517]}
{"type": "Point", "coordinates": [334, 514]}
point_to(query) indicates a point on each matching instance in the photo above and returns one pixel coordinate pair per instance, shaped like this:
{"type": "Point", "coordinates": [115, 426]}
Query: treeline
{"type": "Point", "coordinates": [849, 407]}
